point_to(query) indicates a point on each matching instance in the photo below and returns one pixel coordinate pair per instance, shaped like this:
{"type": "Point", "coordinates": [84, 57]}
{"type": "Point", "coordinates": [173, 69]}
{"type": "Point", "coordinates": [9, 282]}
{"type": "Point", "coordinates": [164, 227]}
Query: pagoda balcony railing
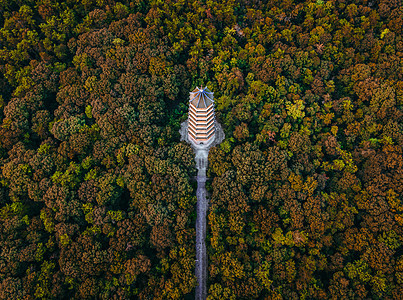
{"type": "Point", "coordinates": [201, 126]}
{"type": "Point", "coordinates": [202, 120]}
{"type": "Point", "coordinates": [205, 137]}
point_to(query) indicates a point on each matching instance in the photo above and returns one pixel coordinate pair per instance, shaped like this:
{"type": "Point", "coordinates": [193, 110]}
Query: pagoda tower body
{"type": "Point", "coordinates": [201, 124]}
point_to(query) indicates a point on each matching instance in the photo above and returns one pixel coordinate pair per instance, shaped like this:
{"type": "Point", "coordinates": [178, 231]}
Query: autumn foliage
{"type": "Point", "coordinates": [97, 193]}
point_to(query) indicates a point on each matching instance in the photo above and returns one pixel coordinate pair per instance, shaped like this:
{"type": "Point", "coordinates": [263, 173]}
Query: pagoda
{"type": "Point", "coordinates": [202, 131]}
{"type": "Point", "coordinates": [201, 121]}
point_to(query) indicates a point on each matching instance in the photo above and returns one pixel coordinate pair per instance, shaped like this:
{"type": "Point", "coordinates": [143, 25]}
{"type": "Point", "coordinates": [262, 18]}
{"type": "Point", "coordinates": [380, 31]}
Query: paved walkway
{"type": "Point", "coordinates": [201, 255]}
{"type": "Point", "coordinates": [201, 158]}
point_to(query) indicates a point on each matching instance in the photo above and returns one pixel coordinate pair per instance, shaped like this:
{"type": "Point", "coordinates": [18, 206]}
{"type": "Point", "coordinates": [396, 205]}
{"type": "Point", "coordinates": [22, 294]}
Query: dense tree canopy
{"type": "Point", "coordinates": [97, 197]}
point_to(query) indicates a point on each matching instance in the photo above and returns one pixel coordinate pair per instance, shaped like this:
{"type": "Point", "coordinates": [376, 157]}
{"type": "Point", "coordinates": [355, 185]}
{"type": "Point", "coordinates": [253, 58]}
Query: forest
{"type": "Point", "coordinates": [98, 193]}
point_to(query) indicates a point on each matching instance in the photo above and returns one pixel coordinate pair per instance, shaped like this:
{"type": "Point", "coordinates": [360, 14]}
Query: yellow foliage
{"type": "Point", "coordinates": [291, 271]}
{"type": "Point", "coordinates": [263, 274]}
{"type": "Point", "coordinates": [296, 182]}
{"type": "Point", "coordinates": [90, 83]}
{"type": "Point", "coordinates": [231, 268]}
{"type": "Point", "coordinates": [296, 110]}
{"type": "Point", "coordinates": [393, 201]}
{"type": "Point", "coordinates": [64, 239]}
{"type": "Point", "coordinates": [310, 185]}
{"type": "Point", "coordinates": [327, 119]}
{"type": "Point", "coordinates": [157, 66]}
{"type": "Point", "coordinates": [278, 237]}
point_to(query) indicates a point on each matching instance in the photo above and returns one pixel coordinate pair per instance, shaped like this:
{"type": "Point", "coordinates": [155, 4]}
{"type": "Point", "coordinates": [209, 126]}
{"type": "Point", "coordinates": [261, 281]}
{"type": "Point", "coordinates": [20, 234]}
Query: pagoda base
{"type": "Point", "coordinates": [219, 136]}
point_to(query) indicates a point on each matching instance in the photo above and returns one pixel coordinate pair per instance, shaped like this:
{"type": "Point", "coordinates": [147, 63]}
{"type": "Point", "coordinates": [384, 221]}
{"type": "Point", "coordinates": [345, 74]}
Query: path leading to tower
{"type": "Point", "coordinates": [201, 159]}
{"type": "Point", "coordinates": [202, 206]}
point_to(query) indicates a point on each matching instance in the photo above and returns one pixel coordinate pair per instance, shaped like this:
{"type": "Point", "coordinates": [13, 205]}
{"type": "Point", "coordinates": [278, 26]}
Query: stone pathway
{"type": "Point", "coordinates": [201, 158]}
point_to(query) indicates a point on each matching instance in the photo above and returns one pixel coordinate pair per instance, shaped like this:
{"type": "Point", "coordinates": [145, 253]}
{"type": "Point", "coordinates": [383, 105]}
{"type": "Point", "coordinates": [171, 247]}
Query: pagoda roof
{"type": "Point", "coordinates": [201, 97]}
